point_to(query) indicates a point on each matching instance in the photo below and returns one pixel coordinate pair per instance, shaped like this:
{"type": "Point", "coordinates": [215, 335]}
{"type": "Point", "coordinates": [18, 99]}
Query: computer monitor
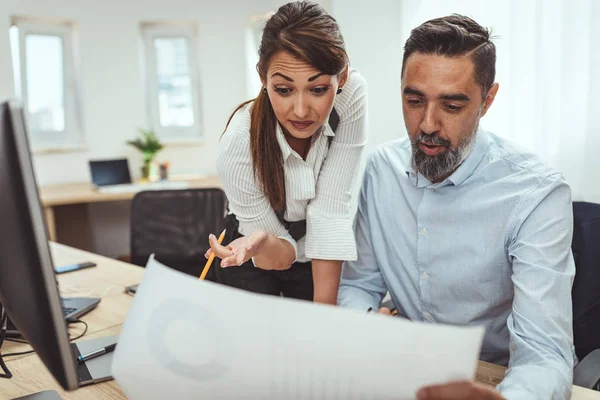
{"type": "Point", "coordinates": [110, 172]}
{"type": "Point", "coordinates": [28, 288]}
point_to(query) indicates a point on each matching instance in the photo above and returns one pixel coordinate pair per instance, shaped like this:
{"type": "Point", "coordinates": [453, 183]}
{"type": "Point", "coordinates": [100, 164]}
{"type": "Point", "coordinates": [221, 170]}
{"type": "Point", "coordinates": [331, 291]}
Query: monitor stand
{"type": "Point", "coordinates": [4, 371]}
{"type": "Point", "coordinates": [45, 395]}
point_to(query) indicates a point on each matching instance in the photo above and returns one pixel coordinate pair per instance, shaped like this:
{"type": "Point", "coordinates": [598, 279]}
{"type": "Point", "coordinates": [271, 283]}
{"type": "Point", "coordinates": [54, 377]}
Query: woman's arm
{"type": "Point", "coordinates": [328, 218]}
{"type": "Point", "coordinates": [326, 278]}
{"type": "Point", "coordinates": [276, 253]}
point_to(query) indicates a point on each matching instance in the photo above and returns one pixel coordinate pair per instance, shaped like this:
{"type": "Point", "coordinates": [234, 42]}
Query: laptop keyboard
{"type": "Point", "coordinates": [68, 310]}
{"type": "Point", "coordinates": [138, 187]}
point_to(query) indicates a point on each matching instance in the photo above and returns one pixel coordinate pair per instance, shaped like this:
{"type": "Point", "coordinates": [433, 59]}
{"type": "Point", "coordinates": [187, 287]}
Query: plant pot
{"type": "Point", "coordinates": [145, 171]}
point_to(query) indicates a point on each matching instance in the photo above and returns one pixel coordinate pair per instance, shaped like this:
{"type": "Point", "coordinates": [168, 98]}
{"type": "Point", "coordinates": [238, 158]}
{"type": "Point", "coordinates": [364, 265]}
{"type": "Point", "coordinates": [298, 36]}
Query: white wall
{"type": "Point", "coordinates": [373, 35]}
{"type": "Point", "coordinates": [112, 87]}
{"type": "Point", "coordinates": [590, 175]}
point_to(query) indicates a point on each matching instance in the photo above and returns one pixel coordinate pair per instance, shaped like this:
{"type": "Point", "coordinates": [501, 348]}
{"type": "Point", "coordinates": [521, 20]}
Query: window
{"type": "Point", "coordinates": [46, 81]}
{"type": "Point", "coordinates": [172, 80]}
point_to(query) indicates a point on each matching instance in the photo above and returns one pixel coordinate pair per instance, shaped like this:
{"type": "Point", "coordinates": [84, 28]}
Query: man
{"type": "Point", "coordinates": [463, 228]}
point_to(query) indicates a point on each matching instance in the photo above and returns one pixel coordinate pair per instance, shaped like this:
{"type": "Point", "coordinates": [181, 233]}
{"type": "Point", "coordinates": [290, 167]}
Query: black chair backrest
{"type": "Point", "coordinates": [174, 225]}
{"type": "Point", "coordinates": [586, 287]}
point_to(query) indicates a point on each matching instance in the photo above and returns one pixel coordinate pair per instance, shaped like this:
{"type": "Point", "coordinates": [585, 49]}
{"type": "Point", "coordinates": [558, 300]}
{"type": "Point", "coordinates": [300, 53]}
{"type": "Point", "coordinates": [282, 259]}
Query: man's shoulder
{"type": "Point", "coordinates": [518, 161]}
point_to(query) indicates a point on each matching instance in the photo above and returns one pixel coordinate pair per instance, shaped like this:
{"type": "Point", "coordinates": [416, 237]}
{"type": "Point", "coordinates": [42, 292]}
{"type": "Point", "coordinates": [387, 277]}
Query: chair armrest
{"type": "Point", "coordinates": [587, 372]}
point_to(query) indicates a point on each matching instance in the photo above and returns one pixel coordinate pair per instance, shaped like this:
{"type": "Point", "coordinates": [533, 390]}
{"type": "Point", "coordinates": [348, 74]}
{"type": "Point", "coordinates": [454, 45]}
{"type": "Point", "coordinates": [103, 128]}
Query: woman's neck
{"type": "Point", "coordinates": [300, 146]}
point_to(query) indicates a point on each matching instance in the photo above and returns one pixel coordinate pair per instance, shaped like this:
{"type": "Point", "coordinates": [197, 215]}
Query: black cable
{"type": "Point", "coordinates": [78, 321]}
{"type": "Point", "coordinates": [18, 354]}
{"type": "Point", "coordinates": [70, 321]}
{"type": "Point", "coordinates": [8, 339]}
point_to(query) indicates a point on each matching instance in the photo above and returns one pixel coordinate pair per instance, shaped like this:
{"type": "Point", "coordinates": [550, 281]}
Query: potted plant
{"type": "Point", "coordinates": [149, 145]}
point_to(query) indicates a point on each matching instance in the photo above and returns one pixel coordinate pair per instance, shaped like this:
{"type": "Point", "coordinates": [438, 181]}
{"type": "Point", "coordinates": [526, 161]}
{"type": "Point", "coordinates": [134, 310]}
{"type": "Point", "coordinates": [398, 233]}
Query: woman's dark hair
{"type": "Point", "coordinates": [306, 31]}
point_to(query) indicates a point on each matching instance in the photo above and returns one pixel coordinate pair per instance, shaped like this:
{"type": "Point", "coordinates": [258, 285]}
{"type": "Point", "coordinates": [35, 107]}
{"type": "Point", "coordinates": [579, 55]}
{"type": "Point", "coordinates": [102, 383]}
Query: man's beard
{"type": "Point", "coordinates": [440, 166]}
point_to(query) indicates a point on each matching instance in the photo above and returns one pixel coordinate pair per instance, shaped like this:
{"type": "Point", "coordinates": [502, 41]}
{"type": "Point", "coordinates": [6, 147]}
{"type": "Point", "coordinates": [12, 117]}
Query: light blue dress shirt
{"type": "Point", "coordinates": [490, 246]}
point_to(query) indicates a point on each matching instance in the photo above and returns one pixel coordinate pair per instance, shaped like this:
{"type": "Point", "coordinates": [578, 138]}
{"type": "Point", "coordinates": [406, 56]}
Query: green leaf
{"type": "Point", "coordinates": [147, 143]}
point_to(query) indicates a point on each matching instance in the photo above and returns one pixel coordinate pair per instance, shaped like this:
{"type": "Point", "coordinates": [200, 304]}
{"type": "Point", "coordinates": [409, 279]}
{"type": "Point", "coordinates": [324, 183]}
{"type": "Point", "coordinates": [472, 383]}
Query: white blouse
{"type": "Point", "coordinates": [318, 189]}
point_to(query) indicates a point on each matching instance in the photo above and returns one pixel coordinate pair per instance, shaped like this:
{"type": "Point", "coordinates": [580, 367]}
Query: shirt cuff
{"type": "Point", "coordinates": [356, 299]}
{"type": "Point", "coordinates": [291, 241]}
{"type": "Point", "coordinates": [329, 237]}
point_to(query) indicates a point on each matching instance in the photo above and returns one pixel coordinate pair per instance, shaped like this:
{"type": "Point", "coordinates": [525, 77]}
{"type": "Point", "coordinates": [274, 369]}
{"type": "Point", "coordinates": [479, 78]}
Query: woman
{"type": "Point", "coordinates": [288, 160]}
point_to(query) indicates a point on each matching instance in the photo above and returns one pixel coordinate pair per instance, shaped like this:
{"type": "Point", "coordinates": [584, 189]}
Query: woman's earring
{"type": "Point", "coordinates": [265, 89]}
{"type": "Point", "coordinates": [339, 91]}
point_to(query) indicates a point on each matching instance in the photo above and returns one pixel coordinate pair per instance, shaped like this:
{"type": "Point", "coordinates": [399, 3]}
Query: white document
{"type": "Point", "coordinates": [189, 339]}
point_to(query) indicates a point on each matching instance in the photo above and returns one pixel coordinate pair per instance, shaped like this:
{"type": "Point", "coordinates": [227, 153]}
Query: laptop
{"type": "Point", "coordinates": [112, 176]}
{"type": "Point", "coordinates": [73, 308]}
{"type": "Point", "coordinates": [107, 173]}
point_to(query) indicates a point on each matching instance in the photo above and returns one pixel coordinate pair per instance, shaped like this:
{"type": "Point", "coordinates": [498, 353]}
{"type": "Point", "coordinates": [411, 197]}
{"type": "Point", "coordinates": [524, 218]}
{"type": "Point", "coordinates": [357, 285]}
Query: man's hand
{"type": "Point", "coordinates": [464, 390]}
{"type": "Point", "coordinates": [384, 311]}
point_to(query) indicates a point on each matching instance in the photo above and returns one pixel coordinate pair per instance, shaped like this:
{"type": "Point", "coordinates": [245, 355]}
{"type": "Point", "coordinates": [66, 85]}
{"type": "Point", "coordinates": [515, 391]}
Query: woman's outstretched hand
{"type": "Point", "coordinates": [239, 251]}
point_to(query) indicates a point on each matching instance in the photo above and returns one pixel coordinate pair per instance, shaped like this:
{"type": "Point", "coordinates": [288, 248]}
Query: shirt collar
{"type": "Point", "coordinates": [327, 131]}
{"type": "Point", "coordinates": [465, 170]}
{"type": "Point", "coordinates": [286, 150]}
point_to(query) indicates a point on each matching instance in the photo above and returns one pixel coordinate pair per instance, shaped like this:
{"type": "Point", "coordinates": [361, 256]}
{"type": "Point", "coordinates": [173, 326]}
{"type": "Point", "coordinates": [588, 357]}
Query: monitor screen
{"type": "Point", "coordinates": [110, 172]}
{"type": "Point", "coordinates": [28, 288]}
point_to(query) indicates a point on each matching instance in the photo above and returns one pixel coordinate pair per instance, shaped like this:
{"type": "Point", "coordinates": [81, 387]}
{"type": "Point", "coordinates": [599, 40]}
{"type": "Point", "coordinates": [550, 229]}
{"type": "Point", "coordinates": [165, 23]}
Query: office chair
{"type": "Point", "coordinates": [586, 293]}
{"type": "Point", "coordinates": [174, 225]}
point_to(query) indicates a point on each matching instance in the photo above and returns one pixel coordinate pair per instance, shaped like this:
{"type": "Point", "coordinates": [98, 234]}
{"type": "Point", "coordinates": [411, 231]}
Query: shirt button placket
{"type": "Point", "coordinates": [423, 253]}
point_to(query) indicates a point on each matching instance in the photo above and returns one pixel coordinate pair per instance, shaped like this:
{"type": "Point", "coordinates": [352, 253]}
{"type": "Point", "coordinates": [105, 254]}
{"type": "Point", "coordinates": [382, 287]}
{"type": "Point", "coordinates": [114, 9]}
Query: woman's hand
{"type": "Point", "coordinates": [239, 251]}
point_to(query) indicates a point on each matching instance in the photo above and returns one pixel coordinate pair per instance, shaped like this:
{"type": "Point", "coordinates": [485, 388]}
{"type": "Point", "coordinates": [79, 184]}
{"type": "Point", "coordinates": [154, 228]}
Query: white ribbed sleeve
{"type": "Point", "coordinates": [329, 223]}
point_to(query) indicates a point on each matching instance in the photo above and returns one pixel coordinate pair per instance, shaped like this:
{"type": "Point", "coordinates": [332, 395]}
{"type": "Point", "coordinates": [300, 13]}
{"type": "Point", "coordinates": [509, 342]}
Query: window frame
{"type": "Point", "coordinates": [72, 137]}
{"type": "Point", "coordinates": [164, 30]}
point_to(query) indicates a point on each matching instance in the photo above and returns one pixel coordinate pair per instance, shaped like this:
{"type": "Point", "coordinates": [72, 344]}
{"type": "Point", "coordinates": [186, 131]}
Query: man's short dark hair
{"type": "Point", "coordinates": [454, 36]}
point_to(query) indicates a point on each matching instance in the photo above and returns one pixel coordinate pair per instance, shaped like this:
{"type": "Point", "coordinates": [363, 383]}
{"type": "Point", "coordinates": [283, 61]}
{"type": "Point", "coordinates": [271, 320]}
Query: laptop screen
{"type": "Point", "coordinates": [110, 172]}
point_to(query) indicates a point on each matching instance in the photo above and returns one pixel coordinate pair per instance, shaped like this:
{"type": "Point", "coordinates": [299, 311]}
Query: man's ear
{"type": "Point", "coordinates": [489, 98]}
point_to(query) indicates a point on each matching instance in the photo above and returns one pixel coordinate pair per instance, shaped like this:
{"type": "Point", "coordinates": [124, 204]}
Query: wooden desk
{"type": "Point", "coordinates": [110, 277]}
{"type": "Point", "coordinates": [65, 207]}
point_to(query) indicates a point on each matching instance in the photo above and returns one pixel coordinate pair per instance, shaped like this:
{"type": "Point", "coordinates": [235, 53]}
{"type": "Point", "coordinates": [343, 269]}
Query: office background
{"type": "Point", "coordinates": [547, 50]}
